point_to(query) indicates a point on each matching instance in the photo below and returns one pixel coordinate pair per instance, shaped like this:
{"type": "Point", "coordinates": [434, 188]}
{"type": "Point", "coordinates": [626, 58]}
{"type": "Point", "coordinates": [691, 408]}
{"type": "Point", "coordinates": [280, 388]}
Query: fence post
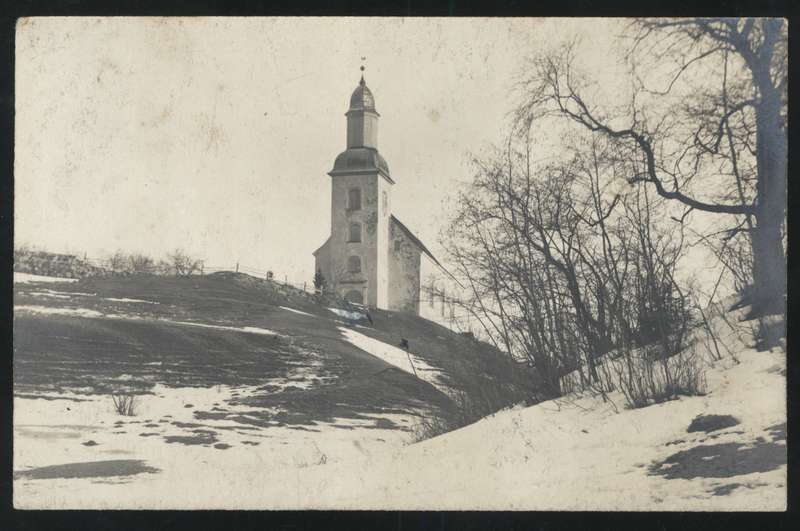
{"type": "Point", "coordinates": [237, 267]}
{"type": "Point", "coordinates": [304, 285]}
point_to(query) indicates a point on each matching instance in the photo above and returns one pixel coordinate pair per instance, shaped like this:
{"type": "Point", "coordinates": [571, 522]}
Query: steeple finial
{"type": "Point", "coordinates": [362, 70]}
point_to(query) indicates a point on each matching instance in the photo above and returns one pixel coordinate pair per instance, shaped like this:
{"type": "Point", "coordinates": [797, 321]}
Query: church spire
{"type": "Point", "coordinates": [362, 117]}
{"type": "Point", "coordinates": [362, 98]}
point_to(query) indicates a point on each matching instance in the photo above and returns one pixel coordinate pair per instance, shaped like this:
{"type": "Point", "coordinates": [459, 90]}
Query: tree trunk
{"type": "Point", "coordinates": [769, 259]}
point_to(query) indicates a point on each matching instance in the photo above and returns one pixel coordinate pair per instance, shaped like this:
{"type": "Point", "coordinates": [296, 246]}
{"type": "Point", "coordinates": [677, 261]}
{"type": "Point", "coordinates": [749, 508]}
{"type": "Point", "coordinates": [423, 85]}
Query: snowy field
{"type": "Point", "coordinates": [554, 456]}
{"type": "Point", "coordinates": [163, 445]}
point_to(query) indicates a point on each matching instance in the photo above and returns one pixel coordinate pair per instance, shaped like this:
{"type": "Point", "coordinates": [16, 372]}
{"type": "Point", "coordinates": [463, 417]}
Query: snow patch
{"type": "Point", "coordinates": [47, 310]}
{"type": "Point", "coordinates": [128, 300]}
{"type": "Point", "coordinates": [353, 316]}
{"type": "Point", "coordinates": [24, 278]}
{"type": "Point", "coordinates": [85, 312]}
{"type": "Point", "coordinates": [397, 357]}
{"type": "Point", "coordinates": [296, 311]}
{"type": "Point", "coordinates": [49, 295]}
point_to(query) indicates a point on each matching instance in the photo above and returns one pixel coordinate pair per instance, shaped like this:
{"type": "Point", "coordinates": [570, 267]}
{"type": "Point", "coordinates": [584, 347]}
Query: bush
{"type": "Point", "coordinates": [125, 404]}
{"type": "Point", "coordinates": [432, 426]}
{"type": "Point", "coordinates": [647, 376]}
{"type": "Point", "coordinates": [469, 408]}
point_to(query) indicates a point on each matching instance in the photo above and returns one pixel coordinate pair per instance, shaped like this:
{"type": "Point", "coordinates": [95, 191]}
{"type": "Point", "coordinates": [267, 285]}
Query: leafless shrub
{"type": "Point", "coordinates": [647, 376]}
{"type": "Point", "coordinates": [183, 265]}
{"type": "Point", "coordinates": [469, 408]}
{"type": "Point", "coordinates": [139, 263]}
{"type": "Point", "coordinates": [130, 263]}
{"type": "Point", "coordinates": [163, 267]}
{"type": "Point", "coordinates": [117, 262]}
{"type": "Point", "coordinates": [125, 404]}
{"type": "Point", "coordinates": [431, 426]}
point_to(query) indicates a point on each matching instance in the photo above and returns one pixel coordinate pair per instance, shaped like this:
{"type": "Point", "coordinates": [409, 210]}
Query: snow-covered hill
{"type": "Point", "coordinates": [725, 450]}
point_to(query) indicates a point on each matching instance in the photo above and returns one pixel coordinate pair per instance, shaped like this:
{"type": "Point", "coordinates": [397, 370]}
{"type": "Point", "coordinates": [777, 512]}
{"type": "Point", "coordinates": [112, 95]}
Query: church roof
{"type": "Point", "coordinates": [416, 241]}
{"type": "Point", "coordinates": [362, 98]}
{"type": "Point", "coordinates": [360, 159]}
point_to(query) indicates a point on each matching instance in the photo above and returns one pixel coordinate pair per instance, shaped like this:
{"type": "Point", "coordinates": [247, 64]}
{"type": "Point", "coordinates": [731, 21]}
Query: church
{"type": "Point", "coordinates": [371, 257]}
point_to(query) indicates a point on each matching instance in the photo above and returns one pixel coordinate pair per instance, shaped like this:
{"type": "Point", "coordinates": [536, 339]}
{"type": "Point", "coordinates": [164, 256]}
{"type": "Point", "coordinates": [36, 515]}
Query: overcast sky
{"type": "Point", "coordinates": [216, 135]}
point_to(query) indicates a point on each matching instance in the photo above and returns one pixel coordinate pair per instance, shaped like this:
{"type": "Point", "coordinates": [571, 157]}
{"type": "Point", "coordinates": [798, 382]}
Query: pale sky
{"type": "Point", "coordinates": [216, 135]}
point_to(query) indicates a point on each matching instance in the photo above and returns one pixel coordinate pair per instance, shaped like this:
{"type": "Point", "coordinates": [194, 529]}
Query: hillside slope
{"type": "Point", "coordinates": [725, 450]}
{"type": "Point", "coordinates": [221, 362]}
{"type": "Point", "coordinates": [722, 451]}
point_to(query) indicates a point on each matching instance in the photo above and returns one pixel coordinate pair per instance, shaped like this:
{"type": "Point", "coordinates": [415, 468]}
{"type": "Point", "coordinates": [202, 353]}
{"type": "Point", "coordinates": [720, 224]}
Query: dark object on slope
{"type": "Point", "coordinates": [404, 343]}
{"type": "Point", "coordinates": [709, 423]}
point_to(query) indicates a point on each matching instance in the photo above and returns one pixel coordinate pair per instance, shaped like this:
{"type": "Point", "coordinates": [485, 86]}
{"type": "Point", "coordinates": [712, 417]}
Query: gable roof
{"type": "Point", "coordinates": [321, 247]}
{"type": "Point", "coordinates": [416, 241]}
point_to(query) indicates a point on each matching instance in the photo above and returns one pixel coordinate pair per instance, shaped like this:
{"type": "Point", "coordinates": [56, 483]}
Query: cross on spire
{"type": "Point", "coordinates": [362, 68]}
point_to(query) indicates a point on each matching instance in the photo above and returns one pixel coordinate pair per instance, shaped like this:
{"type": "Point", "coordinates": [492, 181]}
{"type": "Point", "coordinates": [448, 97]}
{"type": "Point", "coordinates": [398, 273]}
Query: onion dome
{"type": "Point", "coordinates": [362, 99]}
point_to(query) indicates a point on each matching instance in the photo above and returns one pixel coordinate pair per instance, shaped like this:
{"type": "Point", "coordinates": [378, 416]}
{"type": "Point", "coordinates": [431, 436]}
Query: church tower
{"type": "Point", "coordinates": [354, 260]}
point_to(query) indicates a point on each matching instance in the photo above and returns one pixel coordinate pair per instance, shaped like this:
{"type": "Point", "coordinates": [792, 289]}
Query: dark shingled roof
{"type": "Point", "coordinates": [360, 160]}
{"type": "Point", "coordinates": [362, 98]}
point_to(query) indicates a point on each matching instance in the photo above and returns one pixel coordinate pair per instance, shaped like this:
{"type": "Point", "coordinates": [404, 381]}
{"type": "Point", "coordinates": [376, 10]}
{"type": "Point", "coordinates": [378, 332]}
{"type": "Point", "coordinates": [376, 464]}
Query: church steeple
{"type": "Point", "coordinates": [362, 117]}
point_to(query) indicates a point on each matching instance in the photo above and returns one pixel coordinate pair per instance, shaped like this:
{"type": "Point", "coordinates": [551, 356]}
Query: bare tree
{"type": "Point", "coordinates": [117, 262]}
{"type": "Point", "coordinates": [561, 269]}
{"type": "Point", "coordinates": [733, 132]}
{"type": "Point", "coordinates": [183, 264]}
{"type": "Point", "coordinates": [139, 263]}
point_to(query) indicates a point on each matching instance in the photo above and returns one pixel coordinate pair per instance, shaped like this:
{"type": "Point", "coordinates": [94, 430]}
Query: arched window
{"type": "Point", "coordinates": [355, 232]}
{"type": "Point", "coordinates": [354, 264]}
{"type": "Point", "coordinates": [354, 199]}
{"type": "Point", "coordinates": [354, 296]}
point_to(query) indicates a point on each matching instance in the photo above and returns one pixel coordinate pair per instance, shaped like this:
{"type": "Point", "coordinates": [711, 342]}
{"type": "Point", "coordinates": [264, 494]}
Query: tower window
{"type": "Point", "coordinates": [354, 264]}
{"type": "Point", "coordinates": [354, 199]}
{"type": "Point", "coordinates": [355, 232]}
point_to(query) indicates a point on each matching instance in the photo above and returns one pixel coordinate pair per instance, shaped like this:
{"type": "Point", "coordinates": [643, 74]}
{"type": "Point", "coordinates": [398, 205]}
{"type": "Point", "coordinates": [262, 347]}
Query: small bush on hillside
{"type": "Point", "coordinates": [184, 265]}
{"type": "Point", "coordinates": [647, 377]}
{"type": "Point", "coordinates": [432, 426]}
{"type": "Point", "coordinates": [125, 404]}
{"type": "Point", "coordinates": [469, 408]}
{"type": "Point", "coordinates": [319, 280]}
